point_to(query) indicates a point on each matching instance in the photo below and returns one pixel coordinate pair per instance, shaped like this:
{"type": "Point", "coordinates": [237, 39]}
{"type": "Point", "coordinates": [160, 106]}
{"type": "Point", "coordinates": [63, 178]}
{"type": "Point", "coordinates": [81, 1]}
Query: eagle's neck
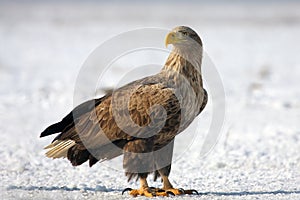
{"type": "Point", "coordinates": [185, 62]}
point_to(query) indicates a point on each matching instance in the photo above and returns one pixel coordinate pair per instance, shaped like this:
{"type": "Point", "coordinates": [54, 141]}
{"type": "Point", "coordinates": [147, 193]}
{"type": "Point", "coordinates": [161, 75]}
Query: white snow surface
{"type": "Point", "coordinates": [255, 48]}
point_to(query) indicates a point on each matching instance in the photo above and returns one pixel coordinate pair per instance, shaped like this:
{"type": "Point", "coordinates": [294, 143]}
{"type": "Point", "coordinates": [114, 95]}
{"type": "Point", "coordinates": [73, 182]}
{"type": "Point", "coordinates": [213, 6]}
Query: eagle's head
{"type": "Point", "coordinates": [183, 37]}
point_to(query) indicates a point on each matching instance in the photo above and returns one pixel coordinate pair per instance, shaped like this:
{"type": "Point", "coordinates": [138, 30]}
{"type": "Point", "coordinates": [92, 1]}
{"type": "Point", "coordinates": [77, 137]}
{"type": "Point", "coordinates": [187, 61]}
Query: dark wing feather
{"type": "Point", "coordinates": [68, 121]}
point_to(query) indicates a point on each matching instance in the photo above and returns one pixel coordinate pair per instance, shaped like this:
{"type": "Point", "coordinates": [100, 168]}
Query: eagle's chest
{"type": "Point", "coordinates": [189, 107]}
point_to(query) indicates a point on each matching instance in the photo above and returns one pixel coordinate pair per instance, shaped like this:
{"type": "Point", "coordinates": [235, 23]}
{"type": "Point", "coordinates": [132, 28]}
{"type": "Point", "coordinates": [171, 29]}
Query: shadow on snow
{"type": "Point", "coordinates": [54, 188]}
{"type": "Point", "coordinates": [104, 189]}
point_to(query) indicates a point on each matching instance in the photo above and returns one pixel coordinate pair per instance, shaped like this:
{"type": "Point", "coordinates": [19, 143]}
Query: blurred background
{"type": "Point", "coordinates": [254, 45]}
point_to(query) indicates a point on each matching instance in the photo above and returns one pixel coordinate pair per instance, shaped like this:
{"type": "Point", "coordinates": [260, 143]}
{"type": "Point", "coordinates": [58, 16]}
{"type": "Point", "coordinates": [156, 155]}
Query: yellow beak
{"type": "Point", "coordinates": [171, 39]}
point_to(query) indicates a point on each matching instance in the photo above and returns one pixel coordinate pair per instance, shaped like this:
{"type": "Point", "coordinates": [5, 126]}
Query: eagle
{"type": "Point", "coordinates": [139, 120]}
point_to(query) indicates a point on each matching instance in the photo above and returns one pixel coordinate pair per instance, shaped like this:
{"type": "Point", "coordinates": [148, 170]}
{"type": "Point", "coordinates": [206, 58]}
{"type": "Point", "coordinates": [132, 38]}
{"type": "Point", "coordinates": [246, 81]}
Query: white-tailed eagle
{"type": "Point", "coordinates": [139, 120]}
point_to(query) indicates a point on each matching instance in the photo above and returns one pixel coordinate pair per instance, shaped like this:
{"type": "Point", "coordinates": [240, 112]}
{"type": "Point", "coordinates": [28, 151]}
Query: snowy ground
{"type": "Point", "coordinates": [254, 47]}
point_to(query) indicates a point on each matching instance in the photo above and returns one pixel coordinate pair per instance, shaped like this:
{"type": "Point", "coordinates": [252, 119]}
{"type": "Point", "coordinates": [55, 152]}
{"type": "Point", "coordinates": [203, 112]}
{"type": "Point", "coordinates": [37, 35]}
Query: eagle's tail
{"type": "Point", "coordinates": [59, 148]}
{"type": "Point", "coordinates": [69, 149]}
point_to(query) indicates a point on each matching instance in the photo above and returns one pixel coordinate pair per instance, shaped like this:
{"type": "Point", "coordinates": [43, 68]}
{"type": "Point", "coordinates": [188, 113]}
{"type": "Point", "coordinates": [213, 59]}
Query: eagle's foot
{"type": "Point", "coordinates": [148, 192]}
{"type": "Point", "coordinates": [153, 192]}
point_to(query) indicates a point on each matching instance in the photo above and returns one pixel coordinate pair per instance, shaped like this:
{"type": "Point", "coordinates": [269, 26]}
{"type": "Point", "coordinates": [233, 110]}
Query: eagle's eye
{"type": "Point", "coordinates": [184, 33]}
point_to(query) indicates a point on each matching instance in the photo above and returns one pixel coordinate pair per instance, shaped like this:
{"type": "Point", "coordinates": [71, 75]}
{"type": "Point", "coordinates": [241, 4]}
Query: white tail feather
{"type": "Point", "coordinates": [52, 144]}
{"type": "Point", "coordinates": [59, 148]}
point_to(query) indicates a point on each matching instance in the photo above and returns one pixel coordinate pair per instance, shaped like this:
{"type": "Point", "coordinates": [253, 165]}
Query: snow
{"type": "Point", "coordinates": [254, 47]}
